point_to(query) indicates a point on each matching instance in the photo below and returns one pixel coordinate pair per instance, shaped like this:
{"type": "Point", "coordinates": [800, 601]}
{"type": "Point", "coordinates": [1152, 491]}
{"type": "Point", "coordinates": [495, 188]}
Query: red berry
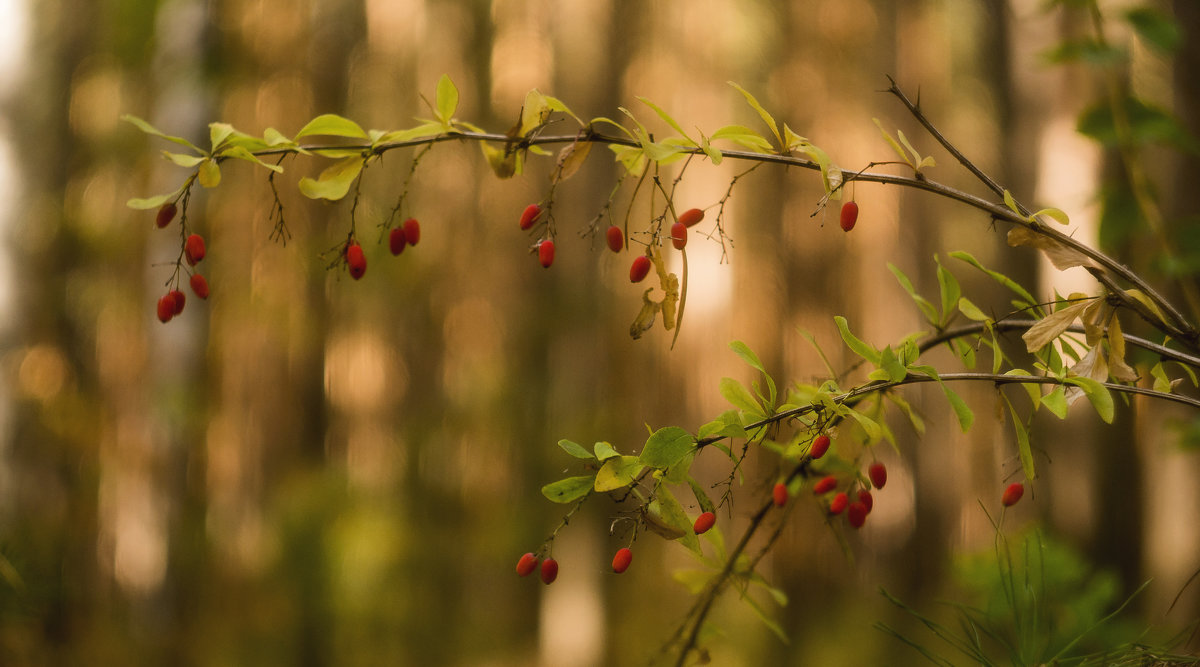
{"type": "Point", "coordinates": [849, 215]}
{"type": "Point", "coordinates": [546, 253]}
{"type": "Point", "coordinates": [878, 474]}
{"type": "Point", "coordinates": [622, 560]}
{"type": "Point", "coordinates": [856, 514]}
{"type": "Point", "coordinates": [780, 494]}
{"type": "Point", "coordinates": [640, 268]}
{"type": "Point", "coordinates": [356, 261]}
{"type": "Point", "coordinates": [193, 249]}
{"type": "Point", "coordinates": [825, 485]}
{"type": "Point", "coordinates": [166, 307]}
{"type": "Point", "coordinates": [820, 445]}
{"type": "Point", "coordinates": [199, 285]}
{"type": "Point", "coordinates": [412, 231]}
{"type": "Point", "coordinates": [838, 503]}
{"type": "Point", "coordinates": [616, 238]}
{"type": "Point", "coordinates": [864, 497]}
{"type": "Point", "coordinates": [180, 299]}
{"type": "Point", "coordinates": [679, 235]}
{"type": "Point", "coordinates": [397, 241]}
{"type": "Point", "coordinates": [530, 215]}
{"type": "Point", "coordinates": [549, 571]}
{"type": "Point", "coordinates": [691, 217]}
{"type": "Point", "coordinates": [166, 214]}
{"type": "Point", "coordinates": [704, 522]}
{"type": "Point", "coordinates": [1012, 494]}
{"type": "Point", "coordinates": [527, 564]}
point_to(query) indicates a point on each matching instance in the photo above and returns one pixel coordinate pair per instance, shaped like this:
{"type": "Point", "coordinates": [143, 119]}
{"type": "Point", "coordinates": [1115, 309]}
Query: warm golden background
{"type": "Point", "coordinates": [309, 470]}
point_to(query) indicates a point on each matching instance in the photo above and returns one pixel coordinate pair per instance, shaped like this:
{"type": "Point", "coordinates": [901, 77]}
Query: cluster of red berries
{"type": "Point", "coordinates": [171, 303]}
{"type": "Point", "coordinates": [615, 239]}
{"type": "Point", "coordinates": [856, 510]}
{"type": "Point", "coordinates": [408, 233]}
{"type": "Point", "coordinates": [529, 562]}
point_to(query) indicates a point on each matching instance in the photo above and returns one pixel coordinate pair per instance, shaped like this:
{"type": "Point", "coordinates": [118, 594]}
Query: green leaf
{"type": "Point", "coordinates": [747, 355]}
{"type": "Point", "coordinates": [728, 425]}
{"type": "Point", "coordinates": [771, 624]}
{"type": "Point", "coordinates": [605, 451]}
{"type": "Point", "coordinates": [714, 154]}
{"type": "Point", "coordinates": [1161, 381]}
{"type": "Point", "coordinates": [743, 136]}
{"type": "Point", "coordinates": [184, 160]}
{"type": "Point", "coordinates": [1147, 123]}
{"type": "Point", "coordinates": [869, 426]}
{"type": "Point", "coordinates": [1056, 402]}
{"type": "Point", "coordinates": [447, 100]}
{"type": "Point", "coordinates": [209, 174]}
{"type": "Point", "coordinates": [923, 304]}
{"type": "Point", "coordinates": [860, 348]}
{"type": "Point", "coordinates": [334, 182]}
{"type": "Point", "coordinates": [152, 202]}
{"type": "Point", "coordinates": [667, 119]}
{"type": "Point", "coordinates": [575, 449]}
{"type": "Point", "coordinates": [332, 125]}
{"type": "Point", "coordinates": [239, 153]}
{"type": "Point", "coordinates": [633, 158]}
{"type": "Point", "coordinates": [694, 580]}
{"type": "Point", "coordinates": [831, 176]}
{"type": "Point", "coordinates": [534, 112]}
{"type": "Point", "coordinates": [1011, 203]}
{"type": "Point", "coordinates": [419, 132]}
{"type": "Point", "coordinates": [151, 130]}
{"type": "Point", "coordinates": [740, 397]}
{"type": "Point", "coordinates": [950, 292]}
{"type": "Point", "coordinates": [218, 133]}
{"type": "Point", "coordinates": [706, 503]}
{"type": "Point", "coordinates": [569, 489]}
{"type": "Point", "coordinates": [1088, 50]}
{"type": "Point", "coordinates": [274, 138]}
{"type": "Point", "coordinates": [893, 143]}
{"type": "Point", "coordinates": [914, 418]}
{"type": "Point", "coordinates": [891, 365]}
{"type": "Point", "coordinates": [996, 275]}
{"type": "Point", "coordinates": [961, 411]}
{"type": "Point", "coordinates": [917, 160]}
{"type": "Point", "coordinates": [667, 446]}
{"type": "Point", "coordinates": [971, 310]}
{"type": "Point", "coordinates": [1098, 394]}
{"type": "Point", "coordinates": [767, 118]}
{"type": "Point", "coordinates": [1057, 214]}
{"type": "Point", "coordinates": [1023, 448]}
{"type": "Point", "coordinates": [1155, 28]}
{"type": "Point", "coordinates": [556, 104]}
{"type": "Point", "coordinates": [617, 472]}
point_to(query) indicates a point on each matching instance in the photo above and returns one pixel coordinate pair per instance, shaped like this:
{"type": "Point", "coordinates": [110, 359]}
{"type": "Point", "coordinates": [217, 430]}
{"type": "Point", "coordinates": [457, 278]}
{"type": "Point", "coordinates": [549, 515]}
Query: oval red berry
{"type": "Point", "coordinates": [820, 445]}
{"type": "Point", "coordinates": [640, 268]}
{"type": "Point", "coordinates": [166, 308]}
{"type": "Point", "coordinates": [849, 215]}
{"type": "Point", "coordinates": [527, 564]}
{"type": "Point", "coordinates": [878, 474]}
{"type": "Point", "coordinates": [1012, 494]}
{"type": "Point", "coordinates": [704, 522]}
{"type": "Point", "coordinates": [622, 560]}
{"type": "Point", "coordinates": [691, 216]}
{"type": "Point", "coordinates": [549, 571]}
{"type": "Point", "coordinates": [825, 485]}
{"type": "Point", "coordinates": [615, 238]}
{"type": "Point", "coordinates": [856, 514]}
{"type": "Point", "coordinates": [779, 494]}
{"type": "Point", "coordinates": [530, 215]}
{"type": "Point", "coordinates": [165, 214]}
{"type": "Point", "coordinates": [199, 285]}
{"type": "Point", "coordinates": [193, 249]}
{"type": "Point", "coordinates": [180, 299]}
{"type": "Point", "coordinates": [356, 261]}
{"type": "Point", "coordinates": [546, 253]}
{"type": "Point", "coordinates": [412, 231]}
{"type": "Point", "coordinates": [679, 235]}
{"type": "Point", "coordinates": [839, 502]}
{"type": "Point", "coordinates": [866, 499]}
{"type": "Point", "coordinates": [397, 241]}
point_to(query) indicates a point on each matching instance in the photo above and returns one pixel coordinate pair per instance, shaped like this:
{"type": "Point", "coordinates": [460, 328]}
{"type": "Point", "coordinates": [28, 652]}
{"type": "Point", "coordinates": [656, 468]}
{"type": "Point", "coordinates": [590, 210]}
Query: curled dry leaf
{"type": "Point", "coordinates": [570, 159]}
{"type": "Point", "coordinates": [1059, 255]}
{"type": "Point", "coordinates": [1053, 325]}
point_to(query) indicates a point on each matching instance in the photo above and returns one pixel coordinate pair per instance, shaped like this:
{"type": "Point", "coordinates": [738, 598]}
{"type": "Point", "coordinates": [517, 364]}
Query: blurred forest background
{"type": "Point", "coordinates": [311, 470]}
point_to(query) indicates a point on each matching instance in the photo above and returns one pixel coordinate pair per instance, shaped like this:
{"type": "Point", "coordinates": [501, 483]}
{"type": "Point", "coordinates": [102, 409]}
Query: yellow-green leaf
{"type": "Point", "coordinates": [239, 153]}
{"type": "Point", "coordinates": [210, 173]}
{"type": "Point", "coordinates": [334, 182]}
{"type": "Point", "coordinates": [617, 472]}
{"type": "Point", "coordinates": [184, 160]}
{"type": "Point", "coordinates": [767, 118]}
{"type": "Point", "coordinates": [1098, 394]}
{"type": "Point", "coordinates": [332, 125]}
{"type": "Point", "coordinates": [1055, 213]}
{"type": "Point", "coordinates": [447, 99]}
{"type": "Point", "coordinates": [151, 130]}
{"type": "Point", "coordinates": [569, 489]}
